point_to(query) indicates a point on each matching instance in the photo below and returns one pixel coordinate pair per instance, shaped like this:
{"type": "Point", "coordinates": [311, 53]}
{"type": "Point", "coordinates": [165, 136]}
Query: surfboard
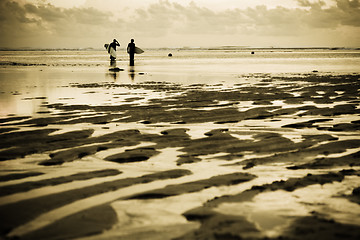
{"type": "Point", "coordinates": [137, 50]}
{"type": "Point", "coordinates": [111, 51]}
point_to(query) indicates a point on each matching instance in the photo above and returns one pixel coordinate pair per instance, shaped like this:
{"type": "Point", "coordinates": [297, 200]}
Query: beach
{"type": "Point", "coordinates": [206, 144]}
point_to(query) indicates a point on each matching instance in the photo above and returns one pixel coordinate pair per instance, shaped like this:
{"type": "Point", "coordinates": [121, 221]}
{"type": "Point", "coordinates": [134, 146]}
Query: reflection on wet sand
{"type": "Point", "coordinates": [113, 70]}
{"type": "Point", "coordinates": [272, 157]}
{"type": "Point", "coordinates": [131, 72]}
{"type": "Point", "coordinates": [188, 148]}
{"type": "Point", "coordinates": [114, 73]}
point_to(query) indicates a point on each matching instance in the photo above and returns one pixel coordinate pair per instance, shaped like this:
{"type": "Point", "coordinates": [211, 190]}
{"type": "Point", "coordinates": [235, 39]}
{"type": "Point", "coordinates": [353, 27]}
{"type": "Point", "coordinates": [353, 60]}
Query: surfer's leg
{"type": "Point", "coordinates": [112, 62]}
{"type": "Point", "coordinates": [131, 59]}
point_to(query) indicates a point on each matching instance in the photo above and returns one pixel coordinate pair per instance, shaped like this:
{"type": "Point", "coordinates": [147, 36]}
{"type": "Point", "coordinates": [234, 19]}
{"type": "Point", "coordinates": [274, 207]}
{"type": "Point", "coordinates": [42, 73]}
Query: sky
{"type": "Point", "coordinates": [179, 23]}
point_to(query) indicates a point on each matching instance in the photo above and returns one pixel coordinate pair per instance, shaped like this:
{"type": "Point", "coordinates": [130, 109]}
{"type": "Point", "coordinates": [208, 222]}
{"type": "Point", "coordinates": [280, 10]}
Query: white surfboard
{"type": "Point", "coordinates": [111, 51]}
{"type": "Point", "coordinates": [137, 50]}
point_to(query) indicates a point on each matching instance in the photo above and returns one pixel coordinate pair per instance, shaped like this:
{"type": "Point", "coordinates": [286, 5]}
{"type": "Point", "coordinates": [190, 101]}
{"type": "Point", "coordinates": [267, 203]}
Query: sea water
{"type": "Point", "coordinates": [198, 60]}
{"type": "Point", "coordinates": [29, 79]}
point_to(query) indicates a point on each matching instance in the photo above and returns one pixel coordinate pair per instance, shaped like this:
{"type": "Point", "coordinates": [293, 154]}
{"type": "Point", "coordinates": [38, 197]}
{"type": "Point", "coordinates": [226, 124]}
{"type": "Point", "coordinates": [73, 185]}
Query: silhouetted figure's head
{"type": "Point", "coordinates": [132, 40]}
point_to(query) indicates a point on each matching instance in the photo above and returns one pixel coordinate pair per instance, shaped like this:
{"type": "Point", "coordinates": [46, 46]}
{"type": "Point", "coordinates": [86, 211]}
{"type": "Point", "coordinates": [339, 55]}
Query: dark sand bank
{"type": "Point", "coordinates": [277, 158]}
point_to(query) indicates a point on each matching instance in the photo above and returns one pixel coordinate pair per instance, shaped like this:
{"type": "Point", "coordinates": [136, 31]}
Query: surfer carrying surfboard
{"type": "Point", "coordinates": [112, 49]}
{"type": "Point", "coordinates": [131, 51]}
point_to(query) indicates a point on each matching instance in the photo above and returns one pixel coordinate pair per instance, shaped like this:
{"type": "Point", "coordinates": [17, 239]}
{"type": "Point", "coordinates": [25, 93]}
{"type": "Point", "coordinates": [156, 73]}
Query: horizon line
{"type": "Point", "coordinates": [226, 47]}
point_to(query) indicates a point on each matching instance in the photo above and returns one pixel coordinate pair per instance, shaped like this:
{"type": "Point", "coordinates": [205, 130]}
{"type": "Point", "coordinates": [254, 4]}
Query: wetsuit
{"type": "Point", "coordinates": [131, 51]}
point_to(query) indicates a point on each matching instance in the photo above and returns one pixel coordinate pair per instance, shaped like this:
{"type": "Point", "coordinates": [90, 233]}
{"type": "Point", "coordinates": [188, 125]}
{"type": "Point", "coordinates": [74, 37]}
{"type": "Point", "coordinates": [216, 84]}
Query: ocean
{"type": "Point", "coordinates": [43, 74]}
{"type": "Point", "coordinates": [36, 75]}
{"type": "Point", "coordinates": [202, 61]}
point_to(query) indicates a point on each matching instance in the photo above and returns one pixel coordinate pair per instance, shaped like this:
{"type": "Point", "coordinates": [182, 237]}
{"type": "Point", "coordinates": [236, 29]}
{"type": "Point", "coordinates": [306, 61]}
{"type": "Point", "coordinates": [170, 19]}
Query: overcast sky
{"type": "Point", "coordinates": [178, 23]}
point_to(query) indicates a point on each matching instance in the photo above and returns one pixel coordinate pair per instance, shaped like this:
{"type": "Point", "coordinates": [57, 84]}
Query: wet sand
{"type": "Point", "coordinates": [274, 158]}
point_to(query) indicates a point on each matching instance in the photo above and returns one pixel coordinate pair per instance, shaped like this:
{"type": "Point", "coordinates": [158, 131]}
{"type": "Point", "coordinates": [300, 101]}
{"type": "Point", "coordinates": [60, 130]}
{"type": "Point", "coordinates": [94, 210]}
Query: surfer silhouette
{"type": "Point", "coordinates": [131, 51]}
{"type": "Point", "coordinates": [112, 49]}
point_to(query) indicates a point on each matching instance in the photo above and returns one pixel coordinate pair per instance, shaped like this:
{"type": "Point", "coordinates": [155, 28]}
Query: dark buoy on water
{"type": "Point", "coordinates": [252, 52]}
{"type": "Point", "coordinates": [170, 55]}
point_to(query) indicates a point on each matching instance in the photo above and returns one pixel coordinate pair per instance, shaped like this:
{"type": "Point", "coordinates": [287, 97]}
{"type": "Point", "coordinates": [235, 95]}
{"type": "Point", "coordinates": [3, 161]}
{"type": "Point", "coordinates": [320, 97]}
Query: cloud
{"type": "Point", "coordinates": [192, 19]}
{"type": "Point", "coordinates": [350, 12]}
{"type": "Point", "coordinates": [170, 23]}
{"type": "Point", "coordinates": [343, 13]}
{"type": "Point", "coordinates": [314, 4]}
{"type": "Point", "coordinates": [24, 24]}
